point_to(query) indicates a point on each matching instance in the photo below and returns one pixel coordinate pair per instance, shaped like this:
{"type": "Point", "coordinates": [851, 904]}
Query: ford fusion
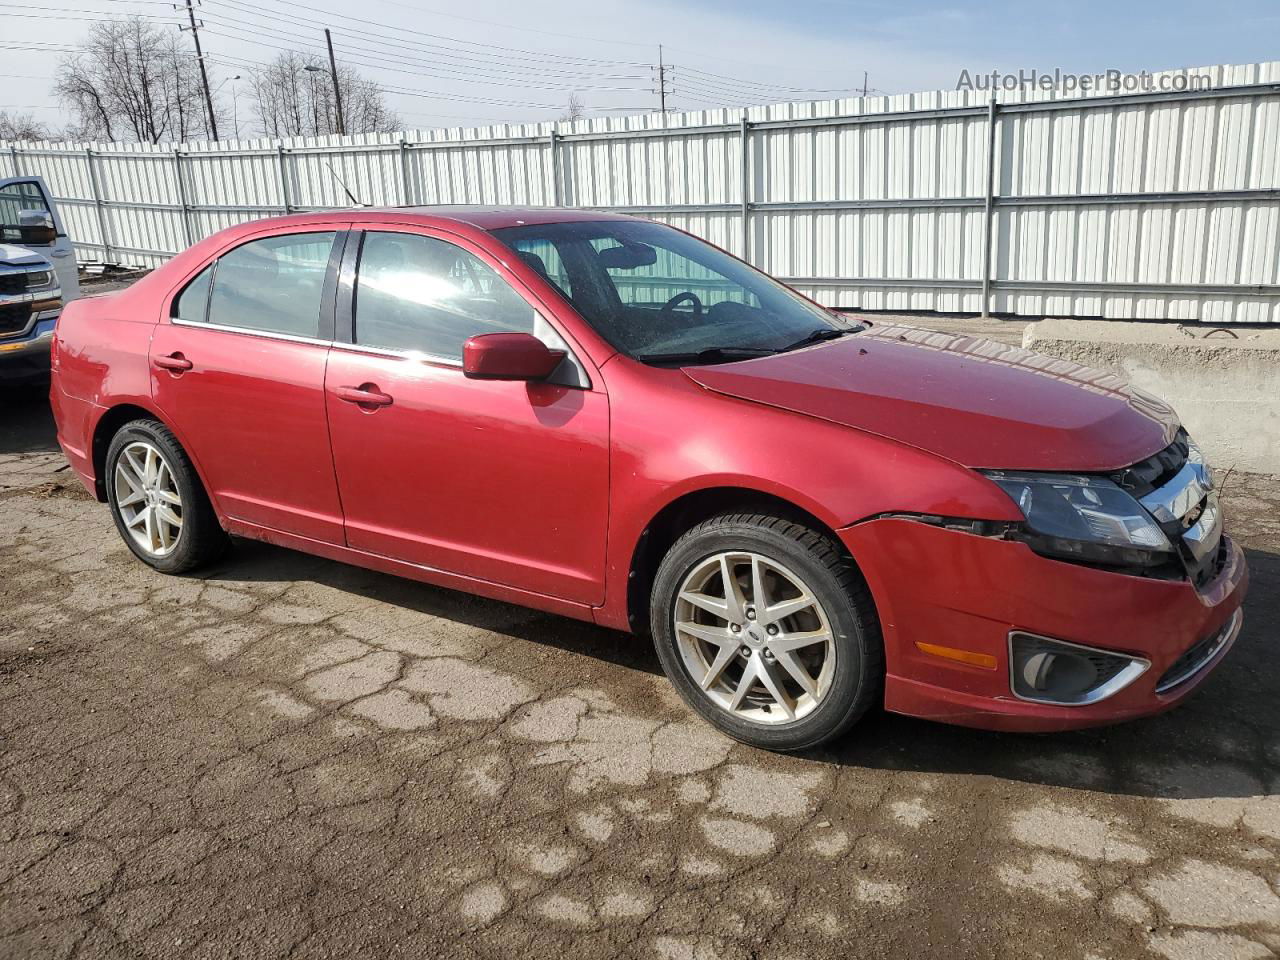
{"type": "Point", "coordinates": [609, 419]}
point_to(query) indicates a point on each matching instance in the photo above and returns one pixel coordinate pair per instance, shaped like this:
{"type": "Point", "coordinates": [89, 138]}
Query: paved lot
{"type": "Point", "coordinates": [292, 758]}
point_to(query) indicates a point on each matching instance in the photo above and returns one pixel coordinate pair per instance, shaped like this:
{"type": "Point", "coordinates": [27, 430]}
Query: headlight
{"type": "Point", "coordinates": [1085, 518]}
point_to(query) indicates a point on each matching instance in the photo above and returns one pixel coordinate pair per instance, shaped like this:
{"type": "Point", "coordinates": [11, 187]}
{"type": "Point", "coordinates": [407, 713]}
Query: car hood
{"type": "Point", "coordinates": [976, 402]}
{"type": "Point", "coordinates": [12, 255]}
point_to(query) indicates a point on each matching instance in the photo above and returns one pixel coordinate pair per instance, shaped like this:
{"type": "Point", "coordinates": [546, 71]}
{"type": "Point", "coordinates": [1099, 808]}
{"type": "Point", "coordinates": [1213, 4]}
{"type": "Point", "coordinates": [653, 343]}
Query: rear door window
{"type": "Point", "coordinates": [417, 294]}
{"type": "Point", "coordinates": [274, 285]}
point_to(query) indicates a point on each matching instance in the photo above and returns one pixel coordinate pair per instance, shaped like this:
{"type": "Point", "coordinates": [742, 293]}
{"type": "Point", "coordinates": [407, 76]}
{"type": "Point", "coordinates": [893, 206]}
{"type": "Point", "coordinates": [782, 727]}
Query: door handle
{"type": "Point", "coordinates": [174, 363]}
{"type": "Point", "coordinates": [366, 395]}
{"type": "Point", "coordinates": [61, 253]}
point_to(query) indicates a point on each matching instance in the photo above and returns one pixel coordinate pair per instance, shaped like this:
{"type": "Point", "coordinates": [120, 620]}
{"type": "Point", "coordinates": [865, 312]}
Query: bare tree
{"type": "Point", "coordinates": [130, 79]}
{"type": "Point", "coordinates": [293, 96]}
{"type": "Point", "coordinates": [21, 126]}
{"type": "Point", "coordinates": [575, 109]}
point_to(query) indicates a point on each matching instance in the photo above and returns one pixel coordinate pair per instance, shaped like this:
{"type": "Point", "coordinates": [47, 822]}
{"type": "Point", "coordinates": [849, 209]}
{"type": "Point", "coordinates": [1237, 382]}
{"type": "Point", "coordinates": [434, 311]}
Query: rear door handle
{"type": "Point", "coordinates": [174, 362]}
{"type": "Point", "coordinates": [366, 395]}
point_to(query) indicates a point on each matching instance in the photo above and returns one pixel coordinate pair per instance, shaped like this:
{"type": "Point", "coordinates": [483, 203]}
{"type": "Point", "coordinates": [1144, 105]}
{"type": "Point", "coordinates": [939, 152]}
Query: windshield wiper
{"type": "Point", "coordinates": [819, 335]}
{"type": "Point", "coordinates": [709, 355]}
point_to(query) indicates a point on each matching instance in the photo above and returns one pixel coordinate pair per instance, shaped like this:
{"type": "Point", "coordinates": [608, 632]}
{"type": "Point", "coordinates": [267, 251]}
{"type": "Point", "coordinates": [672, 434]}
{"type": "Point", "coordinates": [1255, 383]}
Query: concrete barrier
{"type": "Point", "coordinates": [1224, 383]}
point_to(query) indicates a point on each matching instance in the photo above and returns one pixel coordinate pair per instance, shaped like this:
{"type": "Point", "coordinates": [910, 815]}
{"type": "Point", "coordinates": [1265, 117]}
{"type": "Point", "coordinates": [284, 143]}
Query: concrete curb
{"type": "Point", "coordinates": [1224, 384]}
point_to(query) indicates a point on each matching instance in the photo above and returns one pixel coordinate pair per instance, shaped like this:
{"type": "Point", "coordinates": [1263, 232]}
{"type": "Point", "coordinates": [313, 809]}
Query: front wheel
{"type": "Point", "coordinates": [767, 629]}
{"type": "Point", "coordinates": [159, 505]}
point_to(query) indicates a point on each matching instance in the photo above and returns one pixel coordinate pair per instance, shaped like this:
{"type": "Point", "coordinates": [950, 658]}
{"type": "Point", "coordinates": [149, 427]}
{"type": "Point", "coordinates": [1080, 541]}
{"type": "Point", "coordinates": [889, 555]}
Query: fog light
{"type": "Point", "coordinates": [1044, 670]}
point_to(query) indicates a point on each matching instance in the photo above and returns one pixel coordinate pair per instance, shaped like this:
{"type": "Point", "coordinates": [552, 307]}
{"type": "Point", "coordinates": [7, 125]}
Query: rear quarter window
{"type": "Point", "coordinates": [192, 303]}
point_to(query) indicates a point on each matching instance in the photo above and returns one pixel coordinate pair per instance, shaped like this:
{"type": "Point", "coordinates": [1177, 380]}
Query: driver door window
{"type": "Point", "coordinates": [417, 294]}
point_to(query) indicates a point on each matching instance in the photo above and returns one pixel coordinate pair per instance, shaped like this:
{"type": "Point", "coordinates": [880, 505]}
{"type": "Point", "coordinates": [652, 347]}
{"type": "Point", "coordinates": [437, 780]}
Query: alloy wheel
{"type": "Point", "coordinates": [754, 638]}
{"type": "Point", "coordinates": [147, 497]}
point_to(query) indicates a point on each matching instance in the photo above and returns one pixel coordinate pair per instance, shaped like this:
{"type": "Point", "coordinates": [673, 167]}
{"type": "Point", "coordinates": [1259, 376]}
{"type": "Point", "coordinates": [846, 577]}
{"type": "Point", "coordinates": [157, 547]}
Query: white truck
{"type": "Point", "coordinates": [38, 274]}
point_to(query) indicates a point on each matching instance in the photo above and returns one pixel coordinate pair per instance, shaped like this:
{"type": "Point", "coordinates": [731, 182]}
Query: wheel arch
{"type": "Point", "coordinates": [109, 425]}
{"type": "Point", "coordinates": [690, 509]}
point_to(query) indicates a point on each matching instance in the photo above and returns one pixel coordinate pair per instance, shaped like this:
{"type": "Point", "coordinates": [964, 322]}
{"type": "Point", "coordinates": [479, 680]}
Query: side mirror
{"type": "Point", "coordinates": [509, 356]}
{"type": "Point", "coordinates": [36, 227]}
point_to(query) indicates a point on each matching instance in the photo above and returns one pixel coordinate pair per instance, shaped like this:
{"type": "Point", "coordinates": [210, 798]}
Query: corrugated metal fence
{"type": "Point", "coordinates": [1146, 205]}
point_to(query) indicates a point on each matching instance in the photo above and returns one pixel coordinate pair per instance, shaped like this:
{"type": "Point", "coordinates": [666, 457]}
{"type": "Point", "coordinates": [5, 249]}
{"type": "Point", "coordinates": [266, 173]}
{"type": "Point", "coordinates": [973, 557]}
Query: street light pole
{"type": "Point", "coordinates": [333, 72]}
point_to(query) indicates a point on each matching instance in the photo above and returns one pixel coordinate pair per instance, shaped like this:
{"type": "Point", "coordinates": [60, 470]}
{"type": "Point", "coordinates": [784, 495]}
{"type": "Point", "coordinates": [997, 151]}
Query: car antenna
{"type": "Point", "coordinates": [345, 188]}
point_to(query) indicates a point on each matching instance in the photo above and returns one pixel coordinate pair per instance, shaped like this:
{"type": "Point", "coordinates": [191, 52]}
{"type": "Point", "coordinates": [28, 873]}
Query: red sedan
{"type": "Point", "coordinates": [610, 419]}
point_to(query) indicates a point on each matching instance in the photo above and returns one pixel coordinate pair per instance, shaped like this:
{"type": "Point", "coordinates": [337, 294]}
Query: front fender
{"type": "Point", "coordinates": [681, 438]}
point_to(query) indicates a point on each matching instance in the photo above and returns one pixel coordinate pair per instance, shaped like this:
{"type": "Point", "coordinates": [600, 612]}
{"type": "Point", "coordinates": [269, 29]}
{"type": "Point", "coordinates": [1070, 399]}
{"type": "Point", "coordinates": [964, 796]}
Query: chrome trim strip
{"type": "Point", "coordinates": [1187, 488]}
{"type": "Point", "coordinates": [399, 354]}
{"type": "Point", "coordinates": [1136, 668]}
{"type": "Point", "coordinates": [1226, 637]}
{"type": "Point", "coordinates": [251, 332]}
{"type": "Point", "coordinates": [351, 347]}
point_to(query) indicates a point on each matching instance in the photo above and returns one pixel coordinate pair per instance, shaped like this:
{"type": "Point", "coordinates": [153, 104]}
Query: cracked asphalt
{"type": "Point", "coordinates": [286, 757]}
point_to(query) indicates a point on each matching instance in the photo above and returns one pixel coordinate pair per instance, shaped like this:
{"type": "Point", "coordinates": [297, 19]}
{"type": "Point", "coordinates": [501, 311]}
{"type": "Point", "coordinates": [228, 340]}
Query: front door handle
{"type": "Point", "coordinates": [174, 362]}
{"type": "Point", "coordinates": [366, 395]}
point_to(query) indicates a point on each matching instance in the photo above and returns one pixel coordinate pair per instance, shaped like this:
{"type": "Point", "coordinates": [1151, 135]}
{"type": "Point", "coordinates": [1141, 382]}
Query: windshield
{"type": "Point", "coordinates": [663, 296]}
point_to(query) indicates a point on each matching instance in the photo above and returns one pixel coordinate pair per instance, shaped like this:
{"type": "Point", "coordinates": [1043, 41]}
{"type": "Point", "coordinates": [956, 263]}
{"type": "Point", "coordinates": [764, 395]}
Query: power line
{"type": "Point", "coordinates": [768, 86]}
{"type": "Point", "coordinates": [494, 23]}
{"type": "Point", "coordinates": [394, 56]}
{"type": "Point", "coordinates": [240, 62]}
{"type": "Point", "coordinates": [438, 36]}
{"type": "Point", "coordinates": [375, 62]}
{"type": "Point", "coordinates": [107, 13]}
{"type": "Point", "coordinates": [415, 47]}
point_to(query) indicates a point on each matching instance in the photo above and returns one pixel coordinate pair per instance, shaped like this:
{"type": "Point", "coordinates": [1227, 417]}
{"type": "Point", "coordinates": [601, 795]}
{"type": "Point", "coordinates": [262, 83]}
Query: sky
{"type": "Point", "coordinates": [445, 63]}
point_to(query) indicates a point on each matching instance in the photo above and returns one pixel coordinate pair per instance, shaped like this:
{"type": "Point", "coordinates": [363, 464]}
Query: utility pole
{"type": "Point", "coordinates": [333, 72]}
{"type": "Point", "coordinates": [204, 74]}
{"type": "Point", "coordinates": [662, 81]}
{"type": "Point", "coordinates": [864, 82]}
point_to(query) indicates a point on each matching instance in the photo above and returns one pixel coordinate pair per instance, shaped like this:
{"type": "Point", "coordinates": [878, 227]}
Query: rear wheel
{"type": "Point", "coordinates": [766, 629]}
{"type": "Point", "coordinates": [157, 501]}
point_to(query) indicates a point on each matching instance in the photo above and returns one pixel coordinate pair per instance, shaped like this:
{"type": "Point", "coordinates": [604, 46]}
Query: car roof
{"type": "Point", "coordinates": [482, 216]}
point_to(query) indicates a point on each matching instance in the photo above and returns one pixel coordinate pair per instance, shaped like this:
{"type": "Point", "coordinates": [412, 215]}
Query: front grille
{"type": "Point", "coordinates": [1155, 471]}
{"type": "Point", "coordinates": [1197, 655]}
{"type": "Point", "coordinates": [14, 318]}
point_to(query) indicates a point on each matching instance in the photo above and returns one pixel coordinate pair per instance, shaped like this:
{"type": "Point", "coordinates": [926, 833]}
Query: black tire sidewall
{"type": "Point", "coordinates": [854, 685]}
{"type": "Point", "coordinates": [186, 554]}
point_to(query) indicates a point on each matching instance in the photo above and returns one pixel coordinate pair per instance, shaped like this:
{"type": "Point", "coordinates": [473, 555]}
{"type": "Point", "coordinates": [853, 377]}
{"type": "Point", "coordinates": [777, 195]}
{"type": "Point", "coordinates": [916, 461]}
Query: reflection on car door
{"type": "Point", "coordinates": [239, 366]}
{"type": "Point", "coordinates": [496, 480]}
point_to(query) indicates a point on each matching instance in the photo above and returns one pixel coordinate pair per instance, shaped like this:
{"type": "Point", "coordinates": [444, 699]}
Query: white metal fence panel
{"type": "Point", "coordinates": [1153, 205]}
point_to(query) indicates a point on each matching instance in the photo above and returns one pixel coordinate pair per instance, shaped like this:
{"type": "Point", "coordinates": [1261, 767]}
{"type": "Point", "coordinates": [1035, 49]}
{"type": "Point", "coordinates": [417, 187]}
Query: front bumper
{"type": "Point", "coordinates": [945, 588]}
{"type": "Point", "coordinates": [29, 354]}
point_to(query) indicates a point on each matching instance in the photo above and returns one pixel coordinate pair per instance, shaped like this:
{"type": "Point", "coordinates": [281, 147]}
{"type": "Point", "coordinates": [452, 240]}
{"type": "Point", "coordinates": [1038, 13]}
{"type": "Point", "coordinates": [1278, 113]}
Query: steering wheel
{"type": "Point", "coordinates": [680, 298]}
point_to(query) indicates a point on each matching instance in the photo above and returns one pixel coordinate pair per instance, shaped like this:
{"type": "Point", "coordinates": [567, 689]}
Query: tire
{"type": "Point", "coordinates": [199, 539]}
{"type": "Point", "coordinates": [793, 563]}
